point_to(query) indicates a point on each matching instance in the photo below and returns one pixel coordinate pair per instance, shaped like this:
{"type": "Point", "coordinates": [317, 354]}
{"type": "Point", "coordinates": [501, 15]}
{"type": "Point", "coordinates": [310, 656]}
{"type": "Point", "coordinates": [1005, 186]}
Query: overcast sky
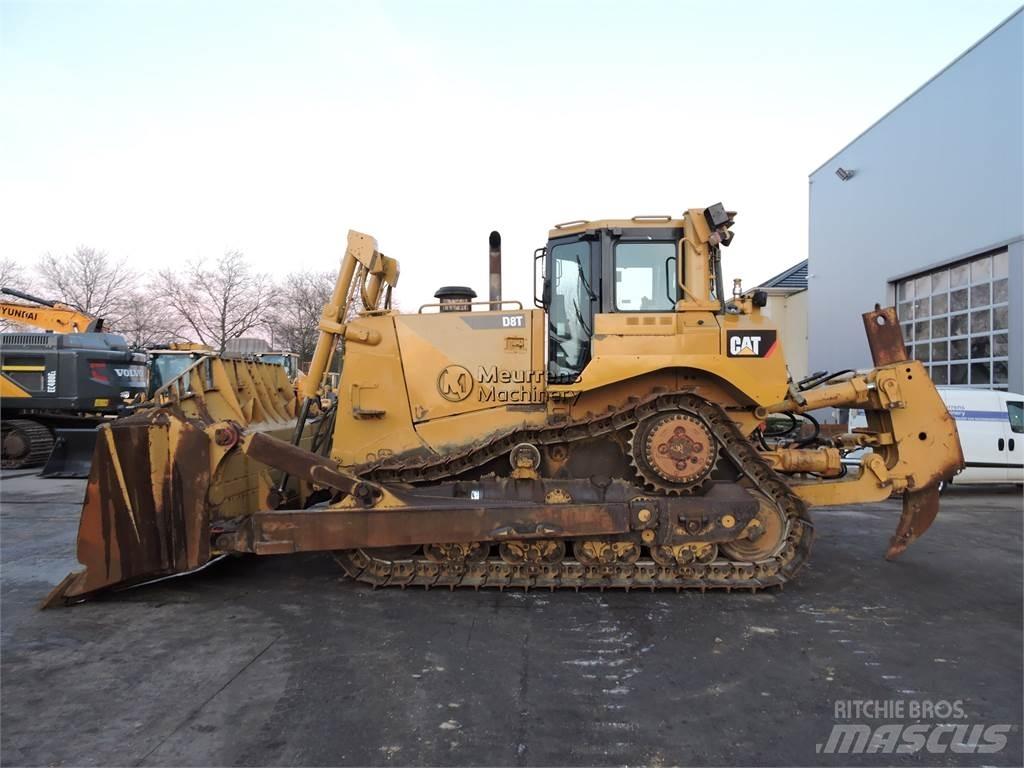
{"type": "Point", "coordinates": [168, 131]}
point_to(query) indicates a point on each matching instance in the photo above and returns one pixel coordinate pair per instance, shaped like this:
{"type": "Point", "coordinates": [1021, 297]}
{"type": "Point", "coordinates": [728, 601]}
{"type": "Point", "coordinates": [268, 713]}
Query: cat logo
{"type": "Point", "coordinates": [455, 383]}
{"type": "Point", "coordinates": [750, 344]}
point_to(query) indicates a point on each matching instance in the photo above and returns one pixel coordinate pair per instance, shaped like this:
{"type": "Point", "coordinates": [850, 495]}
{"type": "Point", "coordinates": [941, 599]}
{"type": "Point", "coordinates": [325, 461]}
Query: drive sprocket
{"type": "Point", "coordinates": [674, 453]}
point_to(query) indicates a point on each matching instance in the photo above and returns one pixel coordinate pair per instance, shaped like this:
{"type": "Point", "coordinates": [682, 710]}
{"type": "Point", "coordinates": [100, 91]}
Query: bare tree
{"type": "Point", "coordinates": [11, 274]}
{"type": "Point", "coordinates": [149, 322]}
{"type": "Point", "coordinates": [91, 281]}
{"type": "Point", "coordinates": [216, 302]}
{"type": "Point", "coordinates": [294, 320]}
{"type": "Point", "coordinates": [295, 317]}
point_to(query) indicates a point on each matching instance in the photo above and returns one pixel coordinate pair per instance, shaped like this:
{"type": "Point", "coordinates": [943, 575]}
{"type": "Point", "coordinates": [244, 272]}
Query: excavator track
{"type": "Point", "coordinates": [491, 571]}
{"type": "Point", "coordinates": [26, 443]}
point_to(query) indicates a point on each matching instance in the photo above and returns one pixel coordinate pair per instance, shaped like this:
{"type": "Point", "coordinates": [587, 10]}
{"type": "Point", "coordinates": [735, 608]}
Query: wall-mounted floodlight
{"type": "Point", "coordinates": [844, 174]}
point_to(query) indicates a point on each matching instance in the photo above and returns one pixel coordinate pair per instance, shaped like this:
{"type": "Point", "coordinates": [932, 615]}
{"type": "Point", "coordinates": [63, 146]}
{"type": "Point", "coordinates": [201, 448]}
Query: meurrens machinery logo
{"type": "Point", "coordinates": [938, 727]}
{"type": "Point", "coordinates": [455, 383]}
{"type": "Point", "coordinates": [491, 384]}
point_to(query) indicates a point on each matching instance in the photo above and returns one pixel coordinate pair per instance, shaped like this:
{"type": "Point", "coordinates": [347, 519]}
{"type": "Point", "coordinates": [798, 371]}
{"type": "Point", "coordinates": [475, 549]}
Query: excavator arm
{"type": "Point", "coordinates": [47, 315]}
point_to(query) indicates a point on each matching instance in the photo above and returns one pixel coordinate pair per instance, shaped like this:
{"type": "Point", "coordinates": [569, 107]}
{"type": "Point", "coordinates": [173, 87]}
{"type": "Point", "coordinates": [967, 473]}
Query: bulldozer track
{"type": "Point", "coordinates": [493, 572]}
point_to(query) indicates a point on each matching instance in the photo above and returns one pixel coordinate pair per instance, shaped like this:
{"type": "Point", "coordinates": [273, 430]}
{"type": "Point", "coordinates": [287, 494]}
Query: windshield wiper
{"type": "Point", "coordinates": [583, 279]}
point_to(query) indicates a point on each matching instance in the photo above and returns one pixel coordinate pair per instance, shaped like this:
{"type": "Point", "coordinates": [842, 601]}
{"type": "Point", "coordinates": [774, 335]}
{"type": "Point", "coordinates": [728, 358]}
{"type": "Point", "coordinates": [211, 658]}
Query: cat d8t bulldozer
{"type": "Point", "coordinates": [615, 436]}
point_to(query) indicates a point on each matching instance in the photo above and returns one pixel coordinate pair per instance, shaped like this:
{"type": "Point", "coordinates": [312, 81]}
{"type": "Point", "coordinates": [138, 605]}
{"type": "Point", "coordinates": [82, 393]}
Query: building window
{"type": "Point", "coordinates": [955, 320]}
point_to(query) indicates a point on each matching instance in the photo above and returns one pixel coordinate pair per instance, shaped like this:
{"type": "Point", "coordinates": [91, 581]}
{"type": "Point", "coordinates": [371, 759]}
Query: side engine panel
{"type": "Point", "coordinates": [461, 362]}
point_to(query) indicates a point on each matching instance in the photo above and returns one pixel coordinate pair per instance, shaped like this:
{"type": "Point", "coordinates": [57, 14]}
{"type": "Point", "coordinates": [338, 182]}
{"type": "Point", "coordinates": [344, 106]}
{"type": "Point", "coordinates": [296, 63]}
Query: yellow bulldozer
{"type": "Point", "coordinates": [613, 436]}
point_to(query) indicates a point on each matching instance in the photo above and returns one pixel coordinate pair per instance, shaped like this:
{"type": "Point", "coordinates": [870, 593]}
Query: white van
{"type": "Point", "coordinates": [991, 427]}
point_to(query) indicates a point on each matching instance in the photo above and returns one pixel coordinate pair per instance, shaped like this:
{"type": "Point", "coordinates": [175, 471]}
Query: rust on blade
{"type": "Point", "coordinates": [145, 513]}
{"type": "Point", "coordinates": [160, 474]}
{"type": "Point", "coordinates": [919, 511]}
{"type": "Point", "coordinates": [885, 338]}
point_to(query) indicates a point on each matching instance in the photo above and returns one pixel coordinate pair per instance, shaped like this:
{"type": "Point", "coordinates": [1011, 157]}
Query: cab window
{"type": "Point", "coordinates": [645, 277]}
{"type": "Point", "coordinates": [1015, 411]}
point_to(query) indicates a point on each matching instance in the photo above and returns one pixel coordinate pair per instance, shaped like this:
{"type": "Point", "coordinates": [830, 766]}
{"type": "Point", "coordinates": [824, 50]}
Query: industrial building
{"type": "Point", "coordinates": [925, 210]}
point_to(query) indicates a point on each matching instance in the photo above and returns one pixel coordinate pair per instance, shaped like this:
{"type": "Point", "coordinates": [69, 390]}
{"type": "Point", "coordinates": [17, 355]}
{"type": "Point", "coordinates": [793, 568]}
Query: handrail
{"type": "Point", "coordinates": [499, 302]}
{"type": "Point", "coordinates": [656, 217]}
{"type": "Point", "coordinates": [565, 224]}
{"type": "Point", "coordinates": [178, 380]}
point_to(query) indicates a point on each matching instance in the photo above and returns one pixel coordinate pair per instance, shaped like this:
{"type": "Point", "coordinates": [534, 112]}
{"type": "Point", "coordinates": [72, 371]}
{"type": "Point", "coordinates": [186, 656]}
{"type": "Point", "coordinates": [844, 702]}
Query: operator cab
{"type": "Point", "coordinates": [602, 267]}
{"type": "Point", "coordinates": [647, 264]}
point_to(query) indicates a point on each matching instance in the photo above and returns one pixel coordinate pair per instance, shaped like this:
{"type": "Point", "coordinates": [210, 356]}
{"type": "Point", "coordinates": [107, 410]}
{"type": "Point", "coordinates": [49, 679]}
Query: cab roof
{"type": "Point", "coordinates": [577, 226]}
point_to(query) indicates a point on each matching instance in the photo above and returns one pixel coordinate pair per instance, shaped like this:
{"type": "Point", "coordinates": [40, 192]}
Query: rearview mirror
{"type": "Point", "coordinates": [541, 297]}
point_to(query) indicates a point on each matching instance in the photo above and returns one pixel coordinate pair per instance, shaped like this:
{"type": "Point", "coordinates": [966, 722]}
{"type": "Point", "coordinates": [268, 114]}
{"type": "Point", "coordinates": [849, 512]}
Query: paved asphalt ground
{"type": "Point", "coordinates": [281, 661]}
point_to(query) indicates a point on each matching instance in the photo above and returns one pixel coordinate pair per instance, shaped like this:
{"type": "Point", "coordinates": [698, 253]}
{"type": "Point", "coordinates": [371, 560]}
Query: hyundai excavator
{"type": "Point", "coordinates": [47, 315]}
{"type": "Point", "coordinates": [611, 436]}
{"type": "Point", "coordinates": [55, 387]}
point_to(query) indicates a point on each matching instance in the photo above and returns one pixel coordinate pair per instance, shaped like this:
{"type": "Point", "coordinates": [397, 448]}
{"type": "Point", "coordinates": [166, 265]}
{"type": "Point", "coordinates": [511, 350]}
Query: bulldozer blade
{"type": "Point", "coordinates": [159, 475]}
{"type": "Point", "coordinates": [145, 513]}
{"type": "Point", "coordinates": [919, 511]}
{"type": "Point", "coordinates": [72, 453]}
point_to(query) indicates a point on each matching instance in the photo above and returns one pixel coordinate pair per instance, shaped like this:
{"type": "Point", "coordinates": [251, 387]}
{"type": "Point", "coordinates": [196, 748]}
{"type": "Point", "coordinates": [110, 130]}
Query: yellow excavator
{"type": "Point", "coordinates": [47, 315]}
{"type": "Point", "coordinates": [612, 436]}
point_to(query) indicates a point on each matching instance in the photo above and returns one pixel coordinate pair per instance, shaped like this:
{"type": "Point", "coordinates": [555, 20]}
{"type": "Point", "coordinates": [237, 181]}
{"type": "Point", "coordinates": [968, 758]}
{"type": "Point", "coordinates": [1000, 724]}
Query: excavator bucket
{"type": "Point", "coordinates": [71, 456]}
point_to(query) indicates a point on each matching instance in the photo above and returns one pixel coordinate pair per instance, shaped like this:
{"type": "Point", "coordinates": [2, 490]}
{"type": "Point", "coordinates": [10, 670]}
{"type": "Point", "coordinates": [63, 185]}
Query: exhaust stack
{"type": "Point", "coordinates": [495, 260]}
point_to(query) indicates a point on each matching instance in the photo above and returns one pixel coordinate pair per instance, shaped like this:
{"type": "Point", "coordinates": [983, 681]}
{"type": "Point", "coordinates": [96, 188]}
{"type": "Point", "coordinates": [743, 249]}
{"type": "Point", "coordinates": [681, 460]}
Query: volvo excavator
{"type": "Point", "coordinates": [55, 387]}
{"type": "Point", "coordinates": [612, 436]}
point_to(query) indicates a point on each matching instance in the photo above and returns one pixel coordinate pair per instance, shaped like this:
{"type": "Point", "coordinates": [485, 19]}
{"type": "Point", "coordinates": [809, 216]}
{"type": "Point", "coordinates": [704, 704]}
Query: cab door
{"type": "Point", "coordinates": [574, 280]}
